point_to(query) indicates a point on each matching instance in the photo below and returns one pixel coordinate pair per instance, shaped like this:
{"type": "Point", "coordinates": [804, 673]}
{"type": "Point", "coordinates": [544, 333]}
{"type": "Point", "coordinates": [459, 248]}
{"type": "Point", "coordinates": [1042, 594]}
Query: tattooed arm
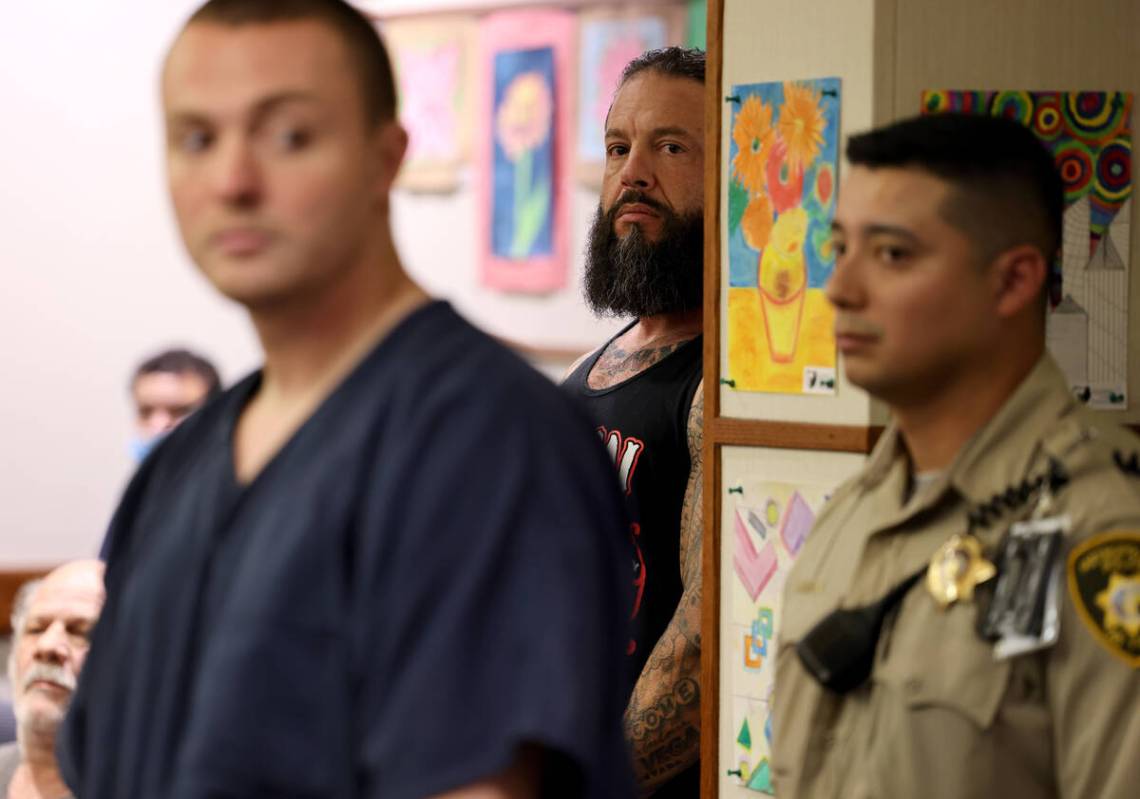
{"type": "Point", "coordinates": [663, 720]}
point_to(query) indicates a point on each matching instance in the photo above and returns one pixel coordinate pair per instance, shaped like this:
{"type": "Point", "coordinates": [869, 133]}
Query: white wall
{"type": "Point", "coordinates": [436, 236]}
{"type": "Point", "coordinates": [94, 276]}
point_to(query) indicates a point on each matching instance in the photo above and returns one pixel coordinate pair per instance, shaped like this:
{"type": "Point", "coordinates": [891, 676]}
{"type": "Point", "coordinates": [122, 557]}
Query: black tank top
{"type": "Point", "coordinates": [643, 422]}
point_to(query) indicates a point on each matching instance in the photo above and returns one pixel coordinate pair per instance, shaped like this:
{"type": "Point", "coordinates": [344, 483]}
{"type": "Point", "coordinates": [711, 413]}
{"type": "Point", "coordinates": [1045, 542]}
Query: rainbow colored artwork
{"type": "Point", "coordinates": [1090, 136]}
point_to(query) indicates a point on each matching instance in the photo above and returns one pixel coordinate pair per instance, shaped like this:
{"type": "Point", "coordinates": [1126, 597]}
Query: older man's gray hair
{"type": "Point", "coordinates": [20, 605]}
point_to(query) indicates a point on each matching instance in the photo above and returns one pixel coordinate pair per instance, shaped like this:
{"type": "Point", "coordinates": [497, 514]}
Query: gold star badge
{"type": "Point", "coordinates": [1120, 602]}
{"type": "Point", "coordinates": [956, 569]}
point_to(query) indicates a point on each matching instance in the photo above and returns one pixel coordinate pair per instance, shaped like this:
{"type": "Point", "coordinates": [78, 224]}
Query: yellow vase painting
{"type": "Point", "coordinates": [782, 177]}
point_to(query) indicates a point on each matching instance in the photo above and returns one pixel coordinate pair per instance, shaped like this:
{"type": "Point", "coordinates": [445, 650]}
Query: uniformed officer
{"type": "Point", "coordinates": [964, 621]}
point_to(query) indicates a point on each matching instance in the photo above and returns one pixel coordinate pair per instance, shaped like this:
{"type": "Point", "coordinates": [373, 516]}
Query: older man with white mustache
{"type": "Point", "coordinates": [51, 621]}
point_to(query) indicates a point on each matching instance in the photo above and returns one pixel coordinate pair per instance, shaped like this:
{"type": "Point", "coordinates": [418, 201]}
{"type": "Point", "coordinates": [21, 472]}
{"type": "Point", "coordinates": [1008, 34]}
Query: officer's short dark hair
{"type": "Point", "coordinates": [1006, 187]}
{"type": "Point", "coordinates": [362, 41]}
{"type": "Point", "coordinates": [675, 62]}
{"type": "Point", "coordinates": [181, 362]}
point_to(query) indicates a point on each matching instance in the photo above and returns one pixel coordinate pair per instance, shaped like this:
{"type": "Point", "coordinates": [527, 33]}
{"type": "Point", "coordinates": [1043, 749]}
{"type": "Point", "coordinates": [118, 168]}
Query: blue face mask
{"type": "Point", "coordinates": [141, 446]}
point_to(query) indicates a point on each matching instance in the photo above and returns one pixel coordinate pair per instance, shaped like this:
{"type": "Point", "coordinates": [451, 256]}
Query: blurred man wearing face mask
{"type": "Point", "coordinates": [51, 621]}
{"type": "Point", "coordinates": [166, 388]}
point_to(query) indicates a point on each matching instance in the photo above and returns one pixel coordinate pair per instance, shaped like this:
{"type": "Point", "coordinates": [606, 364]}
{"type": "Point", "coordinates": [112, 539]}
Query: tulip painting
{"type": "Point", "coordinates": [522, 168]}
{"type": "Point", "coordinates": [524, 153]}
{"type": "Point", "coordinates": [783, 156]}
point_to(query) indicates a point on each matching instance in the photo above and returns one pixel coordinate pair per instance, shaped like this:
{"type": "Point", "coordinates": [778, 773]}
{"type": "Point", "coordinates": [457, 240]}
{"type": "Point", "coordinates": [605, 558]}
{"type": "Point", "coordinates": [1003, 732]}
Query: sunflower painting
{"type": "Point", "coordinates": [783, 157]}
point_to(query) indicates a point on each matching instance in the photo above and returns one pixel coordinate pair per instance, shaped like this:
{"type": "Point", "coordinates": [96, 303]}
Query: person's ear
{"type": "Point", "coordinates": [1019, 278]}
{"type": "Point", "coordinates": [390, 143]}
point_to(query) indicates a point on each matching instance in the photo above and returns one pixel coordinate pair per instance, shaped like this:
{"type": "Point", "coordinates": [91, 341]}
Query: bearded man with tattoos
{"type": "Point", "coordinates": [643, 388]}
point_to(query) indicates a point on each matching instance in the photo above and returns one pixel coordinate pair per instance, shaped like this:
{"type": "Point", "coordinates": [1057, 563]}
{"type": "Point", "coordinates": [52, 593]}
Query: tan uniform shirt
{"type": "Point", "coordinates": [939, 716]}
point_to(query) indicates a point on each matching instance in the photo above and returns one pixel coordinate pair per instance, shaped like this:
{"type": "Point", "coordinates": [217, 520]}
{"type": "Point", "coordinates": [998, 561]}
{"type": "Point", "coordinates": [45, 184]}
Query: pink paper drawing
{"type": "Point", "coordinates": [796, 524]}
{"type": "Point", "coordinates": [431, 59]}
{"type": "Point", "coordinates": [427, 83]}
{"type": "Point", "coordinates": [753, 568]}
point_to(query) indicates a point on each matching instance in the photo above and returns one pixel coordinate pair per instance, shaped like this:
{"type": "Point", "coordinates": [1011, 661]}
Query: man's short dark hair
{"type": "Point", "coordinates": [675, 62]}
{"type": "Point", "coordinates": [360, 37]}
{"type": "Point", "coordinates": [1007, 190]}
{"type": "Point", "coordinates": [181, 362]}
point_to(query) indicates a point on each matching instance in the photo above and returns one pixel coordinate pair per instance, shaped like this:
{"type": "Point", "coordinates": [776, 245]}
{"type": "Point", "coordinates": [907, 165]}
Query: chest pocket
{"type": "Point", "coordinates": [934, 659]}
{"type": "Point", "coordinates": [271, 710]}
{"type": "Point", "coordinates": [804, 605]}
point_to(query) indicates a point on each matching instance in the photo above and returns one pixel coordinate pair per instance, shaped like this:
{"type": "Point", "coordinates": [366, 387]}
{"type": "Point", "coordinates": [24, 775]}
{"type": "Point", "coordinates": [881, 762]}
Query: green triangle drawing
{"type": "Point", "coordinates": [761, 779]}
{"type": "Point", "coordinates": [745, 737]}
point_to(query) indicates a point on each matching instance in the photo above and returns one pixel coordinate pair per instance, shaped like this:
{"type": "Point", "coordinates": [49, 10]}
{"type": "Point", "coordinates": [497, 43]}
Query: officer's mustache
{"type": "Point", "coordinates": [848, 325]}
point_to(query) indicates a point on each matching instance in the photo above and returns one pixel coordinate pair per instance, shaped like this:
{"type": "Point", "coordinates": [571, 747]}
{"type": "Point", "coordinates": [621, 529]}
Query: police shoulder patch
{"type": "Point", "coordinates": [1104, 583]}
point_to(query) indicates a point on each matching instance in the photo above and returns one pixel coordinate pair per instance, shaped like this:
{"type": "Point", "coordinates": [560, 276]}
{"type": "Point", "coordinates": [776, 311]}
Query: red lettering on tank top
{"type": "Point", "coordinates": [638, 579]}
{"type": "Point", "coordinates": [626, 452]}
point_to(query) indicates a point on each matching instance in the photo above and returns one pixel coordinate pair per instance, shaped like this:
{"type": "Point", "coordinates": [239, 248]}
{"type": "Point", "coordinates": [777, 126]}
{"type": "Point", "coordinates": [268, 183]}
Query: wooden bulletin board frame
{"type": "Point", "coordinates": [721, 431]}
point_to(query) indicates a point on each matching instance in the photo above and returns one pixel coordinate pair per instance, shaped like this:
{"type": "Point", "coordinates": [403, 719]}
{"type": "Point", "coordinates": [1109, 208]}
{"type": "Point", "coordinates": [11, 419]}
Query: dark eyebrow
{"type": "Point", "coordinates": [262, 109]}
{"type": "Point", "coordinates": [656, 132]}
{"type": "Point", "coordinates": [879, 230]}
{"type": "Point", "coordinates": [890, 230]}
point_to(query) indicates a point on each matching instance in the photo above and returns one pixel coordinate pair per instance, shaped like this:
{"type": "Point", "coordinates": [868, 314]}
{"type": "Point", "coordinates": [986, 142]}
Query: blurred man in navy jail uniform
{"type": "Point", "coordinates": [385, 564]}
{"type": "Point", "coordinates": [643, 390]}
{"type": "Point", "coordinates": [52, 619]}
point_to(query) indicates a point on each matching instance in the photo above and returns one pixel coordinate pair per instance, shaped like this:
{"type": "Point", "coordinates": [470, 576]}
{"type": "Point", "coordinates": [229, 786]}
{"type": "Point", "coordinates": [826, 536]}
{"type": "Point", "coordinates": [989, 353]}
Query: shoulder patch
{"type": "Point", "coordinates": [1104, 583]}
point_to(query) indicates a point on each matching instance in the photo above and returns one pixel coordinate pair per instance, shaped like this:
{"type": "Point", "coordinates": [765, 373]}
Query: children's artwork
{"type": "Point", "coordinates": [771, 522]}
{"type": "Point", "coordinates": [781, 179]}
{"type": "Point", "coordinates": [610, 39]}
{"type": "Point", "coordinates": [431, 60]}
{"type": "Point", "coordinates": [523, 147]}
{"type": "Point", "coordinates": [1090, 137]}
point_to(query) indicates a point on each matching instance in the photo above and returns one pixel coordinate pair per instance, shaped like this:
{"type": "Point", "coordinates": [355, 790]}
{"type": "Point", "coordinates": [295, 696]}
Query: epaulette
{"type": "Point", "coordinates": [1015, 496]}
{"type": "Point", "coordinates": [1129, 463]}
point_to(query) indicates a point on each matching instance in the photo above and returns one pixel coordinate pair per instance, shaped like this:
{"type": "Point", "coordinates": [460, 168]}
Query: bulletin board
{"type": "Point", "coordinates": [783, 427]}
{"type": "Point", "coordinates": [769, 500]}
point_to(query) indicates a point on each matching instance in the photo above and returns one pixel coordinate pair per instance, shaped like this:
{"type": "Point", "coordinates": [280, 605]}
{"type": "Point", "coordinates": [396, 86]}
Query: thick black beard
{"type": "Point", "coordinates": [636, 277]}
